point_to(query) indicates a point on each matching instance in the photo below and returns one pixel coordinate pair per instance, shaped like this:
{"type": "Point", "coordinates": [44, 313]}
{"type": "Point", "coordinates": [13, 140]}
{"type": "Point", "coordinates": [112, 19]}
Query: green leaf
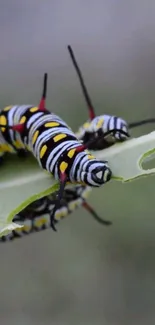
{"type": "Point", "coordinates": [22, 182]}
{"type": "Point", "coordinates": [126, 159]}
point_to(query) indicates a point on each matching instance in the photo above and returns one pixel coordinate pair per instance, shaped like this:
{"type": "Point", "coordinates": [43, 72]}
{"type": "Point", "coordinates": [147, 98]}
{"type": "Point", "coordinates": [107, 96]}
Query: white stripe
{"type": "Point", "coordinates": [78, 158]}
{"type": "Point", "coordinates": [43, 136]}
{"type": "Point", "coordinates": [14, 116]}
{"type": "Point", "coordinates": [111, 124]}
{"type": "Point", "coordinates": [33, 118]}
{"type": "Point", "coordinates": [42, 141]}
{"type": "Point", "coordinates": [43, 119]}
{"type": "Point", "coordinates": [20, 112]}
{"type": "Point", "coordinates": [53, 131]}
{"type": "Point", "coordinates": [83, 161]}
{"type": "Point", "coordinates": [52, 161]}
{"type": "Point", "coordinates": [118, 123]}
{"type": "Point", "coordinates": [46, 135]}
{"type": "Point", "coordinates": [90, 180]}
{"type": "Point", "coordinates": [95, 165]}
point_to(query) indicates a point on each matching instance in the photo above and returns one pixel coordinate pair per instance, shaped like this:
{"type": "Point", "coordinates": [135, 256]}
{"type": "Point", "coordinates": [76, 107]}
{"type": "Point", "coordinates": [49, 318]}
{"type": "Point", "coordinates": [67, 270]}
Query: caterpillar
{"type": "Point", "coordinates": [96, 127]}
{"type": "Point", "coordinates": [53, 144]}
{"type": "Point", "coordinates": [11, 141]}
{"type": "Point", "coordinates": [36, 217]}
{"type": "Point", "coordinates": [94, 130]}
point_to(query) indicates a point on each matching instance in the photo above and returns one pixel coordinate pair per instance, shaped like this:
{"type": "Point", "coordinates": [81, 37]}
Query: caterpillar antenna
{"type": "Point", "coordinates": [82, 83]}
{"type": "Point", "coordinates": [142, 122]}
{"type": "Point", "coordinates": [42, 103]}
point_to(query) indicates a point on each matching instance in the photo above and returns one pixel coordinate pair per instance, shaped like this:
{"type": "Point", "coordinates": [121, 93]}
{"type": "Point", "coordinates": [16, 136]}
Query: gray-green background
{"type": "Point", "coordinates": [84, 274]}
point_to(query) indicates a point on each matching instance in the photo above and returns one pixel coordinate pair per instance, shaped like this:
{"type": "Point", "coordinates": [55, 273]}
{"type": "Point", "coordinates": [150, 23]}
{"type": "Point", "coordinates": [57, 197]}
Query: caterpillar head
{"type": "Point", "coordinates": [96, 173]}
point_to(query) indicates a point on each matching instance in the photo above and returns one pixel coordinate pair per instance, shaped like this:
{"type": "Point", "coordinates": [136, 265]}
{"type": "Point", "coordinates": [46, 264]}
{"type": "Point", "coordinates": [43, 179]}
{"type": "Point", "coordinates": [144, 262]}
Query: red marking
{"type": "Point", "coordinates": [19, 128]}
{"type": "Point", "coordinates": [81, 148]}
{"type": "Point", "coordinates": [91, 113]}
{"type": "Point", "coordinates": [63, 177]}
{"type": "Point", "coordinates": [87, 207]}
{"type": "Point", "coordinates": [42, 105]}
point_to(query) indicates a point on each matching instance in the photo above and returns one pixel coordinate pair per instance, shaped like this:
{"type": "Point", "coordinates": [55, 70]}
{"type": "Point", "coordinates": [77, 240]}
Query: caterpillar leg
{"type": "Point", "coordinates": [63, 180]}
{"type": "Point", "coordinates": [37, 216]}
{"type": "Point", "coordinates": [95, 216]}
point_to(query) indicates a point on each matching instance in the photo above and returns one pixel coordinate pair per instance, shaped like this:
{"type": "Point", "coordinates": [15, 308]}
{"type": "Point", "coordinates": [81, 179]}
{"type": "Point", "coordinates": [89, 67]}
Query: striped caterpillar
{"type": "Point", "coordinates": [99, 131]}
{"type": "Point", "coordinates": [53, 144]}
{"type": "Point", "coordinates": [36, 217]}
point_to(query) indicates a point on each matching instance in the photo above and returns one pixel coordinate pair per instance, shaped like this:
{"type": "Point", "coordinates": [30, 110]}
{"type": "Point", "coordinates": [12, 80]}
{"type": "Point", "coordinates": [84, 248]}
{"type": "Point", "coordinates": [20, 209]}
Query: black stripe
{"type": "Point", "coordinates": [115, 122]}
{"type": "Point", "coordinates": [63, 156]}
{"type": "Point", "coordinates": [108, 124]}
{"type": "Point", "coordinates": [78, 166]}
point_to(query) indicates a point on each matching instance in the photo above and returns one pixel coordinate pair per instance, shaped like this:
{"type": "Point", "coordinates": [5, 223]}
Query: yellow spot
{"type": "Point", "coordinates": [3, 129]}
{"type": "Point", "coordinates": [71, 153]}
{"type": "Point", "coordinates": [78, 202]}
{"type": "Point", "coordinates": [63, 166]}
{"type": "Point", "coordinates": [33, 109]}
{"type": "Point", "coordinates": [43, 150]}
{"type": "Point", "coordinates": [59, 137]}
{"type": "Point", "coordinates": [2, 149]}
{"type": "Point", "coordinates": [51, 124]}
{"type": "Point", "coordinates": [39, 222]}
{"type": "Point", "coordinates": [91, 157]}
{"type": "Point", "coordinates": [23, 120]}
{"type": "Point", "coordinates": [18, 144]}
{"type": "Point", "coordinates": [86, 125]}
{"type": "Point", "coordinates": [7, 108]}
{"type": "Point", "coordinates": [72, 183]}
{"type": "Point", "coordinates": [6, 148]}
{"type": "Point", "coordinates": [86, 193]}
{"type": "Point", "coordinates": [61, 214]}
{"type": "Point", "coordinates": [72, 206]}
{"type": "Point", "coordinates": [35, 136]}
{"type": "Point", "coordinates": [3, 121]}
{"type": "Point", "coordinates": [26, 228]}
{"type": "Point", "coordinates": [19, 230]}
{"type": "Point", "coordinates": [10, 149]}
{"type": "Point", "coordinates": [82, 183]}
{"type": "Point", "coordinates": [100, 123]}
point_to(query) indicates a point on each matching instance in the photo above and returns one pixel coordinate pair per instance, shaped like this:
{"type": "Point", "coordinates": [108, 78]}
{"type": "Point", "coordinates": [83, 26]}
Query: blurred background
{"type": "Point", "coordinates": [85, 273]}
